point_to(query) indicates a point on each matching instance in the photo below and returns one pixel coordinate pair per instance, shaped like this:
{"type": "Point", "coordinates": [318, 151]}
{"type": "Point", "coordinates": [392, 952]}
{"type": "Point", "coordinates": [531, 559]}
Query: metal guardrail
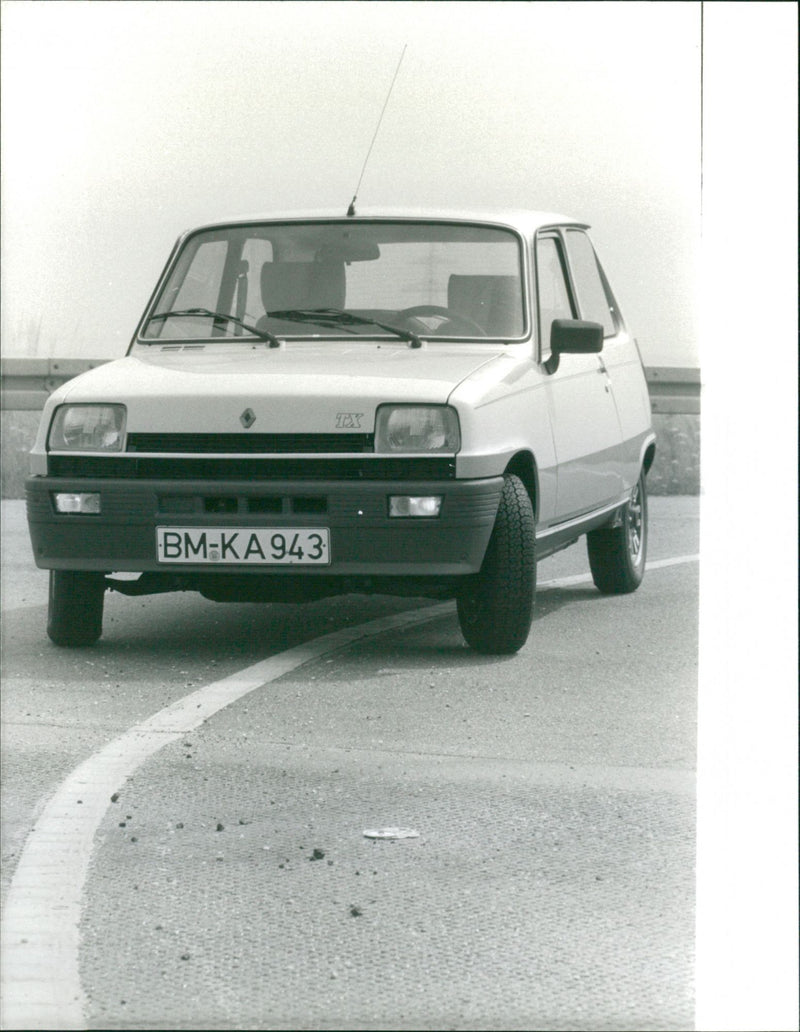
{"type": "Point", "coordinates": [26, 383]}
{"type": "Point", "coordinates": [673, 389]}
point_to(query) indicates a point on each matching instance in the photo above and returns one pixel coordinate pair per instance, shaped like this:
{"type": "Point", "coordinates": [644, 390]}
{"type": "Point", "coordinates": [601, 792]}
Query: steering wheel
{"type": "Point", "coordinates": [461, 323]}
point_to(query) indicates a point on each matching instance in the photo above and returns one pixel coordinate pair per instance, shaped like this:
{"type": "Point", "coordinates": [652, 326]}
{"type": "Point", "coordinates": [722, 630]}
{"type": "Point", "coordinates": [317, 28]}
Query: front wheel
{"type": "Point", "coordinates": [617, 554]}
{"type": "Point", "coordinates": [75, 607]}
{"type": "Point", "coordinates": [496, 608]}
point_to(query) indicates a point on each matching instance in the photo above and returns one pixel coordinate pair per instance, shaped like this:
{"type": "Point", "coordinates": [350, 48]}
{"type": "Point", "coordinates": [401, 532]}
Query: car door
{"type": "Point", "coordinates": [620, 354]}
{"type": "Point", "coordinates": [586, 429]}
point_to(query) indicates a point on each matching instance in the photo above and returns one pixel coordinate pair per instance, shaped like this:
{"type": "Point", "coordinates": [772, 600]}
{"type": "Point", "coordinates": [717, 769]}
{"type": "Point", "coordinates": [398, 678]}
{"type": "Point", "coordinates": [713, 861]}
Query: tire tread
{"type": "Point", "coordinates": [496, 609]}
{"type": "Point", "coordinates": [613, 571]}
{"type": "Point", "coordinates": [75, 607]}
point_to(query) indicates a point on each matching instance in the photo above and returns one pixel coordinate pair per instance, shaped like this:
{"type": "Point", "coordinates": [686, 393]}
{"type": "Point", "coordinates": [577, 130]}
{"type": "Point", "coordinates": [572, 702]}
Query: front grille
{"type": "Point", "coordinates": [250, 444]}
{"type": "Point", "coordinates": [156, 468]}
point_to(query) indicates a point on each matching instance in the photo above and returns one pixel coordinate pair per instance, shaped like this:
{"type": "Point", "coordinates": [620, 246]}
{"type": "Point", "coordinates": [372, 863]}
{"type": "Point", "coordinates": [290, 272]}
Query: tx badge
{"type": "Point", "coordinates": [349, 420]}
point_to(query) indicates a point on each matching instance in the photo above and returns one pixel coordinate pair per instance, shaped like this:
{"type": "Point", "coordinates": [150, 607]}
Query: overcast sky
{"type": "Point", "coordinates": [125, 123]}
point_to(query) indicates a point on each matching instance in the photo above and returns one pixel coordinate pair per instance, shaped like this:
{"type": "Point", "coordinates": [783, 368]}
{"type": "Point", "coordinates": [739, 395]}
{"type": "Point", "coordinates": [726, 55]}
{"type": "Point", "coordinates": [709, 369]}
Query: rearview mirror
{"type": "Point", "coordinates": [573, 337]}
{"type": "Point", "coordinates": [349, 251]}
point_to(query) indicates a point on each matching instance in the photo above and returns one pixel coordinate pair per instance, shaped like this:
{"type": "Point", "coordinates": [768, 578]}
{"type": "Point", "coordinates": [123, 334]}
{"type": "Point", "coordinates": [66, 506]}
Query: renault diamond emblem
{"type": "Point", "coordinates": [247, 418]}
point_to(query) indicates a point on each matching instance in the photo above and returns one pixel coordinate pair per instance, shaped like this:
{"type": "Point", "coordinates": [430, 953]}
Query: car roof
{"type": "Point", "coordinates": [524, 220]}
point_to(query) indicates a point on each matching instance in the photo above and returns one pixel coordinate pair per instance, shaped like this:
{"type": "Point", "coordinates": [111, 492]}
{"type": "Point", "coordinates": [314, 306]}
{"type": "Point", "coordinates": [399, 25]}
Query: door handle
{"type": "Point", "coordinates": [601, 368]}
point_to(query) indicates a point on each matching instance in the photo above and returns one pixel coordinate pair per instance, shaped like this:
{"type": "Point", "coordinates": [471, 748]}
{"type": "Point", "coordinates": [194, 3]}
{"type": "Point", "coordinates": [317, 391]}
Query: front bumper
{"type": "Point", "coordinates": [365, 541]}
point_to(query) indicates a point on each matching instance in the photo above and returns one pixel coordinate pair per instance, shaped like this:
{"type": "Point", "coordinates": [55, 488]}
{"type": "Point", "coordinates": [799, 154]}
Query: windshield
{"type": "Point", "coordinates": [409, 280]}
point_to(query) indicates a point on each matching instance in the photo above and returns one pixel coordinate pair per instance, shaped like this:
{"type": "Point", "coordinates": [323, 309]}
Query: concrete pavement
{"type": "Point", "coordinates": [551, 885]}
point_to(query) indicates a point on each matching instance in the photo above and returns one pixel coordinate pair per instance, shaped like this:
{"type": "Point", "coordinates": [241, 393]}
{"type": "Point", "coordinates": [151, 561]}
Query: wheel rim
{"type": "Point", "coordinates": [635, 525]}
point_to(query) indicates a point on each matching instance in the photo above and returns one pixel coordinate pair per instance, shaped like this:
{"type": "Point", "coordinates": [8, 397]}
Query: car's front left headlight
{"type": "Point", "coordinates": [417, 428]}
{"type": "Point", "coordinates": [87, 427]}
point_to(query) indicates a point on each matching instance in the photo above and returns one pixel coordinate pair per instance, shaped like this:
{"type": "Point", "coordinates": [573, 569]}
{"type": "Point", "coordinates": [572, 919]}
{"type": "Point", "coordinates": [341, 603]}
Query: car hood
{"type": "Point", "coordinates": [316, 388]}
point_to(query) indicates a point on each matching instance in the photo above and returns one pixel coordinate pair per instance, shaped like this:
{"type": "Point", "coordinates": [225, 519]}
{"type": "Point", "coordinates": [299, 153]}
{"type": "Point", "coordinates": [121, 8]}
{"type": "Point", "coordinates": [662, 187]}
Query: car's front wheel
{"type": "Point", "coordinates": [617, 554]}
{"type": "Point", "coordinates": [496, 608]}
{"type": "Point", "coordinates": [75, 607]}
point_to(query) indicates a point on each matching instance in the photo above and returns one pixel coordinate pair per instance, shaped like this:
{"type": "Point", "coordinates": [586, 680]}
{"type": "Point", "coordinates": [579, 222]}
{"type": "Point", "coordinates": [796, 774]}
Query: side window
{"type": "Point", "coordinates": [552, 293]}
{"type": "Point", "coordinates": [592, 299]}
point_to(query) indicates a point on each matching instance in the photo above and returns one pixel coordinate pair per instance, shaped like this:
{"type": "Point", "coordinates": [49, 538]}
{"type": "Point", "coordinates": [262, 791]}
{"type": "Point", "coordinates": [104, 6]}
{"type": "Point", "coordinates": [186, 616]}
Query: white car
{"type": "Point", "coordinates": [414, 403]}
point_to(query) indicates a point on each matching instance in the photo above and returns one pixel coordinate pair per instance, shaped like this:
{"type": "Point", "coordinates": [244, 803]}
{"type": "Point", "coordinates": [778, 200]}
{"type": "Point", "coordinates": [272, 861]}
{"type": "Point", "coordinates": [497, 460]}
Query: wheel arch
{"type": "Point", "coordinates": [648, 454]}
{"type": "Point", "coordinates": [523, 465]}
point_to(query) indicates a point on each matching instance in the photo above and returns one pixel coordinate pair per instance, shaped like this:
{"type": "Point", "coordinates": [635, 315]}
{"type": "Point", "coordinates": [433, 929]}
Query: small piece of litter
{"type": "Point", "coordinates": [391, 833]}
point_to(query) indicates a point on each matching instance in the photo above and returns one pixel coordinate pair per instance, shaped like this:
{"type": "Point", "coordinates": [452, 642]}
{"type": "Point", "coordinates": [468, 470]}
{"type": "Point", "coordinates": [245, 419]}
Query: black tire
{"type": "Point", "coordinates": [496, 608]}
{"type": "Point", "coordinates": [617, 555]}
{"type": "Point", "coordinates": [75, 607]}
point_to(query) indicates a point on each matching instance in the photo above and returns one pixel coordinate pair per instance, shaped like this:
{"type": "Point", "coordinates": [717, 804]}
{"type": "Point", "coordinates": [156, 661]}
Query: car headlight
{"type": "Point", "coordinates": [87, 427]}
{"type": "Point", "coordinates": [417, 428]}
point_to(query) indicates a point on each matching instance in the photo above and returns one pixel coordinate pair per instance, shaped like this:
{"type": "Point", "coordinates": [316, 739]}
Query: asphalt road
{"type": "Point", "coordinates": [248, 748]}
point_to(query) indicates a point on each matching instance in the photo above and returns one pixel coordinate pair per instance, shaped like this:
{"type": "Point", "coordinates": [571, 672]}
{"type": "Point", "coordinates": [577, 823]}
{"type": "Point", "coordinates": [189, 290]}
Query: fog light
{"type": "Point", "coordinates": [85, 502]}
{"type": "Point", "coordinates": [415, 505]}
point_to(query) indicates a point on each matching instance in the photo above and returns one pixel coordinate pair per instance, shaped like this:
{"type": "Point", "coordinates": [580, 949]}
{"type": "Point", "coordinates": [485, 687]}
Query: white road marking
{"type": "Point", "coordinates": [39, 940]}
{"type": "Point", "coordinates": [585, 578]}
{"type": "Point", "coordinates": [39, 937]}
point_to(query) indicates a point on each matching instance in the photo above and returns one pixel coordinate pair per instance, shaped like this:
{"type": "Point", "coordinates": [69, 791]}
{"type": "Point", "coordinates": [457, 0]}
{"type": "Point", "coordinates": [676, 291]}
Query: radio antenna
{"type": "Point", "coordinates": [352, 209]}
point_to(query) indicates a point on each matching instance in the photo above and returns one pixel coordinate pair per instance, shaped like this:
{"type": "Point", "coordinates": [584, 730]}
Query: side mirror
{"type": "Point", "coordinates": [573, 337]}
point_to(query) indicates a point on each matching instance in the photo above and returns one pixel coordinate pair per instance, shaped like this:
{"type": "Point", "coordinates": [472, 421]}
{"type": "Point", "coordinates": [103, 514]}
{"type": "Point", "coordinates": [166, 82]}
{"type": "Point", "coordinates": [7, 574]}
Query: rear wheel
{"type": "Point", "coordinates": [75, 607]}
{"type": "Point", "coordinates": [496, 607]}
{"type": "Point", "coordinates": [617, 554]}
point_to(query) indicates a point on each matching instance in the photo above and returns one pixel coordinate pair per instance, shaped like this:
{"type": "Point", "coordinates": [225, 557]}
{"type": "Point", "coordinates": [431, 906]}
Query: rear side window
{"type": "Point", "coordinates": [592, 300]}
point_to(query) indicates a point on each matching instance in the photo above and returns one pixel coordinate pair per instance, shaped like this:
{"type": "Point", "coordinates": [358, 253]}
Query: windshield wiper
{"type": "Point", "coordinates": [336, 317]}
{"type": "Point", "coordinates": [274, 341]}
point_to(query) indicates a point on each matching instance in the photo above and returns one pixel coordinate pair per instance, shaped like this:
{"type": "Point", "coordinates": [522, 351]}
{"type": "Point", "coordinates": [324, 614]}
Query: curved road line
{"type": "Point", "coordinates": [39, 938]}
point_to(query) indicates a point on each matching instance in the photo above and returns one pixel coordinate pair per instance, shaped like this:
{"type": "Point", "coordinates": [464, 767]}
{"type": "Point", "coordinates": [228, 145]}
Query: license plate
{"type": "Point", "coordinates": [274, 546]}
